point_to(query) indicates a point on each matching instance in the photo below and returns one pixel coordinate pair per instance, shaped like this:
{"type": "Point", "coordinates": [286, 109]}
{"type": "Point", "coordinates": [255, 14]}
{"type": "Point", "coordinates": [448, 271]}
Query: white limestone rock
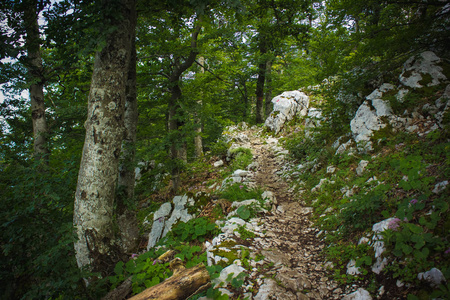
{"type": "Point", "coordinates": [365, 122]}
{"type": "Point", "coordinates": [159, 220]}
{"type": "Point", "coordinates": [433, 276]}
{"type": "Point", "coordinates": [361, 167]}
{"type": "Point", "coordinates": [416, 67]}
{"type": "Point", "coordinates": [240, 173]}
{"type": "Point", "coordinates": [218, 163]}
{"type": "Point", "coordinates": [439, 187]}
{"type": "Point", "coordinates": [269, 197]}
{"type": "Point", "coordinates": [224, 278]}
{"type": "Point", "coordinates": [352, 269]}
{"type": "Point", "coordinates": [286, 106]}
{"type": "Point", "coordinates": [360, 294]}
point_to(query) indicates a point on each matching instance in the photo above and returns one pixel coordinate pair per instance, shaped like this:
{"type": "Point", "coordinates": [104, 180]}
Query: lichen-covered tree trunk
{"type": "Point", "coordinates": [97, 178]}
{"type": "Point", "coordinates": [36, 78]}
{"type": "Point", "coordinates": [126, 215]}
{"type": "Point", "coordinates": [198, 141]}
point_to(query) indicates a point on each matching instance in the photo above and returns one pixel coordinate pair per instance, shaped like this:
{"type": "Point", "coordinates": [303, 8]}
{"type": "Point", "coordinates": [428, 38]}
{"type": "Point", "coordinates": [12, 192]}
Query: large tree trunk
{"type": "Point", "coordinates": [36, 78]}
{"type": "Point", "coordinates": [126, 216]}
{"type": "Point", "coordinates": [97, 178]}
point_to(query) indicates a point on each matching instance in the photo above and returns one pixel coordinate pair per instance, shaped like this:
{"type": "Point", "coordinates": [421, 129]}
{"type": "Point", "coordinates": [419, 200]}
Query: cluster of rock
{"type": "Point", "coordinates": [285, 107]}
{"type": "Point", "coordinates": [422, 71]}
{"type": "Point", "coordinates": [376, 113]}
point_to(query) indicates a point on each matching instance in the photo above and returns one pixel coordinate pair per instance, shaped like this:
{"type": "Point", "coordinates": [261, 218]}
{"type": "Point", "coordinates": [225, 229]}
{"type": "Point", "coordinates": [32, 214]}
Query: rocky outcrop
{"type": "Point", "coordinates": [166, 216]}
{"type": "Point", "coordinates": [285, 107]}
{"type": "Point", "coordinates": [376, 113]}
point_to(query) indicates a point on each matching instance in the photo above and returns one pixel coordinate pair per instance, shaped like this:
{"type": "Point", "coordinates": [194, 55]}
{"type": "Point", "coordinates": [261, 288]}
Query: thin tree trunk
{"type": "Point", "coordinates": [268, 99]}
{"type": "Point", "coordinates": [36, 77]}
{"type": "Point", "coordinates": [245, 95]}
{"type": "Point", "coordinates": [97, 178]}
{"type": "Point", "coordinates": [176, 93]}
{"type": "Point", "coordinates": [260, 85]}
{"type": "Point", "coordinates": [198, 143]}
{"type": "Point", "coordinates": [173, 128]}
{"type": "Point", "coordinates": [126, 216]}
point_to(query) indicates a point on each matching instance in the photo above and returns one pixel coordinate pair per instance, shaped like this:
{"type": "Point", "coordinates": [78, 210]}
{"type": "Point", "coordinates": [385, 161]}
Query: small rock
{"type": "Point", "coordinates": [225, 274]}
{"type": "Point", "coordinates": [440, 187]}
{"type": "Point", "coordinates": [218, 163]}
{"type": "Point", "coordinates": [331, 169]}
{"type": "Point", "coordinates": [351, 269]}
{"type": "Point", "coordinates": [360, 294]}
{"type": "Point", "coordinates": [361, 167]}
{"type": "Point", "coordinates": [433, 276]}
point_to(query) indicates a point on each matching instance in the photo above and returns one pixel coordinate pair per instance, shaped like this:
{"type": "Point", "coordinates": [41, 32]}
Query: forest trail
{"type": "Point", "coordinates": [289, 241]}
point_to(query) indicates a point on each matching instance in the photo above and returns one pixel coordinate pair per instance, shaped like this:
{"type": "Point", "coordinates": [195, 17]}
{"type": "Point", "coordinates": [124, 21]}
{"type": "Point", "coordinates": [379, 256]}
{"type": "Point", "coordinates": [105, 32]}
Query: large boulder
{"type": "Point", "coordinates": [422, 70]}
{"type": "Point", "coordinates": [368, 116]}
{"type": "Point", "coordinates": [285, 107]}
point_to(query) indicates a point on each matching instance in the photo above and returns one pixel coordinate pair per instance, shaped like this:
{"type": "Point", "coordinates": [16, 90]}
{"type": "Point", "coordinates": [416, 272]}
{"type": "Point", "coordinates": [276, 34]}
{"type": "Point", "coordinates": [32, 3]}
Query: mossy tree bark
{"type": "Point", "coordinates": [97, 178]}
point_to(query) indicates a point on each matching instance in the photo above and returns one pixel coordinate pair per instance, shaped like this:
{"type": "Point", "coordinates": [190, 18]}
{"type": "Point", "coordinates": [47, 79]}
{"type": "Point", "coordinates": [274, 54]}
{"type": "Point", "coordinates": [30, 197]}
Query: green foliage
{"type": "Point", "coordinates": [145, 270]}
{"type": "Point", "coordinates": [219, 148]}
{"type": "Point", "coordinates": [36, 230]}
{"type": "Point", "coordinates": [240, 192]}
{"type": "Point", "coordinates": [242, 157]}
{"type": "Point", "coordinates": [197, 229]}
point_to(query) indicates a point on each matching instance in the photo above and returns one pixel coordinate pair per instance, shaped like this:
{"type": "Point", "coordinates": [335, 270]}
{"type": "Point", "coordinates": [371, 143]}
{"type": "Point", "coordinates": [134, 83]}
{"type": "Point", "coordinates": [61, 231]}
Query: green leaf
{"type": "Point", "coordinates": [130, 266]}
{"type": "Point", "coordinates": [418, 239]}
{"type": "Point", "coordinates": [243, 212]}
{"type": "Point", "coordinates": [407, 249]}
{"type": "Point", "coordinates": [155, 281]}
{"type": "Point", "coordinates": [414, 228]}
{"type": "Point", "coordinates": [118, 269]}
{"type": "Point", "coordinates": [148, 283]}
{"type": "Point", "coordinates": [201, 230]}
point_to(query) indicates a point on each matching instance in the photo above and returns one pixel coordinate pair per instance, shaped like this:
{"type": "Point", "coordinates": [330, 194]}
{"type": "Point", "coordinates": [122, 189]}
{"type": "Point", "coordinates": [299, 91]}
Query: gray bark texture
{"type": "Point", "coordinates": [126, 215]}
{"type": "Point", "coordinates": [198, 141]}
{"type": "Point", "coordinates": [97, 178]}
{"type": "Point", "coordinates": [36, 78]}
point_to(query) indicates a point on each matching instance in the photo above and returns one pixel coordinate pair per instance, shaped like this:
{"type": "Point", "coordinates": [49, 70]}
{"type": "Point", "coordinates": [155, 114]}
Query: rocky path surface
{"type": "Point", "coordinates": [288, 242]}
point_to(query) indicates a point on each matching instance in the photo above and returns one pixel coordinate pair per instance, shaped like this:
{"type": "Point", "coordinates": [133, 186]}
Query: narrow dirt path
{"type": "Point", "coordinates": [289, 243]}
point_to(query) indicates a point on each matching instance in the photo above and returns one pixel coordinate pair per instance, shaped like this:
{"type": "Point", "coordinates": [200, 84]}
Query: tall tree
{"type": "Point", "coordinates": [174, 78]}
{"type": "Point", "coordinates": [97, 178]}
{"type": "Point", "coordinates": [126, 216]}
{"type": "Point", "coordinates": [198, 144]}
{"type": "Point", "coordinates": [35, 76]}
{"type": "Point", "coordinates": [21, 35]}
{"type": "Point", "coordinates": [273, 22]}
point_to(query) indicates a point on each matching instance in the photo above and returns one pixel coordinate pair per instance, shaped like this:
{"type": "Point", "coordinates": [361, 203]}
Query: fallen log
{"type": "Point", "coordinates": [183, 284]}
